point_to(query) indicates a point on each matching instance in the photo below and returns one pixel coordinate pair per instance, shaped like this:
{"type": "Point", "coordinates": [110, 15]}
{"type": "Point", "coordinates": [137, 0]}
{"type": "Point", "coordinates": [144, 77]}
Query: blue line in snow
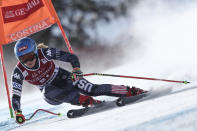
{"type": "Point", "coordinates": [172, 116]}
{"type": "Point", "coordinates": [159, 121]}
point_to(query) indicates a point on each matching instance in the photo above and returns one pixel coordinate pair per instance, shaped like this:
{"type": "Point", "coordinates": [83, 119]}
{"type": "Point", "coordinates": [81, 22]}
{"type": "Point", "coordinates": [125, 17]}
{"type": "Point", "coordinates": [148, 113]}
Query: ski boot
{"type": "Point", "coordinates": [87, 101]}
{"type": "Point", "coordinates": [133, 91]}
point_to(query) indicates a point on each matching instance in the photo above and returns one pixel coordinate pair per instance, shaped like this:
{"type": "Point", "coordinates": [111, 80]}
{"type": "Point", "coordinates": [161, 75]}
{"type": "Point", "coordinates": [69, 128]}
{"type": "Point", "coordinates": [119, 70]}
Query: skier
{"type": "Point", "coordinates": [58, 85]}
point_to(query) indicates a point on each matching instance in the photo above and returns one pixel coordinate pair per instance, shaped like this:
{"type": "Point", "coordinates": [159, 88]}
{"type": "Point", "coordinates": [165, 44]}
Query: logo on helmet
{"type": "Point", "coordinates": [22, 48]}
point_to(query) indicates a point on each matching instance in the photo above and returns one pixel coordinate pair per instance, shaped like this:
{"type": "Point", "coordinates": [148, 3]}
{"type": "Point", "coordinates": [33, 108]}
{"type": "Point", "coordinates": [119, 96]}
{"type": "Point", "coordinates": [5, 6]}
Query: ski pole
{"type": "Point", "coordinates": [57, 114]}
{"type": "Point", "coordinates": [136, 77]}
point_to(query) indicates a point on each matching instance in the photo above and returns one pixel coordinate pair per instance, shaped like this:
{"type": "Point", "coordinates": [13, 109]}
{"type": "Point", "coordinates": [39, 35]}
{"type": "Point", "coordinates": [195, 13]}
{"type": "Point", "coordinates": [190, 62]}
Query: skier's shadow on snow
{"type": "Point", "coordinates": [186, 89]}
{"type": "Point", "coordinates": [165, 92]}
{"type": "Point", "coordinates": [170, 92]}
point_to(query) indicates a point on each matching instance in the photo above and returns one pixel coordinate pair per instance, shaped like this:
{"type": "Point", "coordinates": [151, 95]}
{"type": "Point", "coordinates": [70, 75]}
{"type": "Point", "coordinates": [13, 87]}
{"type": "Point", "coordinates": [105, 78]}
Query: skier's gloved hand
{"type": "Point", "coordinates": [77, 74]}
{"type": "Point", "coordinates": [20, 118]}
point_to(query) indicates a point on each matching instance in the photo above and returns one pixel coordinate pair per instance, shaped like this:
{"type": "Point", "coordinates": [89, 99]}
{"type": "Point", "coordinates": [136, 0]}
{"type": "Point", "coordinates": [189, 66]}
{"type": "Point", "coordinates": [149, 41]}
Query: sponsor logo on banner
{"type": "Point", "coordinates": [30, 30]}
{"type": "Point", "coordinates": [21, 11]}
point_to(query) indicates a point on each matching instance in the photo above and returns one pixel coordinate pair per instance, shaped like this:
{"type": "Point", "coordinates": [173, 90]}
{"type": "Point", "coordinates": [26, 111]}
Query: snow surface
{"type": "Point", "coordinates": [174, 110]}
{"type": "Point", "coordinates": [166, 32]}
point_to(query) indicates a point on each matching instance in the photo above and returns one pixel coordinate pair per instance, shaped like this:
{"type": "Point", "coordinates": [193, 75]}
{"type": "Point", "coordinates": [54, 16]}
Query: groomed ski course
{"type": "Point", "coordinates": [175, 108]}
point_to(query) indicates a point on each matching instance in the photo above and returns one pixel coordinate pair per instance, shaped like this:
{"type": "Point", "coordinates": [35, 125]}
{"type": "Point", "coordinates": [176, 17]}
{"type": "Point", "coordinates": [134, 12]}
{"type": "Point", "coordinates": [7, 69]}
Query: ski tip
{"type": "Point", "coordinates": [70, 114]}
{"type": "Point", "coordinates": [120, 102]}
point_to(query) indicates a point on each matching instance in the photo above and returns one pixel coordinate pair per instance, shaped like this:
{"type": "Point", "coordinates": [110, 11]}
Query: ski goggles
{"type": "Point", "coordinates": [27, 57]}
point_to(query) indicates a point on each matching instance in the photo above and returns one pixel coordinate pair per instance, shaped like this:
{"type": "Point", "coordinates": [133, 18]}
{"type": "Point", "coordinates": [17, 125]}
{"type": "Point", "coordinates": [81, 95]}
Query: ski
{"type": "Point", "coordinates": [127, 100]}
{"type": "Point", "coordinates": [73, 113]}
{"type": "Point", "coordinates": [77, 112]}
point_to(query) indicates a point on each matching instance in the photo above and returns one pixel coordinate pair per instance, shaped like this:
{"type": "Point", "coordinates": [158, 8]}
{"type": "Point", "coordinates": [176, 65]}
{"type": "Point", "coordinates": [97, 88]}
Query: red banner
{"type": "Point", "coordinates": [21, 18]}
{"type": "Point", "coordinates": [21, 11]}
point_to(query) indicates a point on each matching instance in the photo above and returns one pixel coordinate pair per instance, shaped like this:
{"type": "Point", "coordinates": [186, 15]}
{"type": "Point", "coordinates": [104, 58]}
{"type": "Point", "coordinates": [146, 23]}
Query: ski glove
{"type": "Point", "coordinates": [77, 74]}
{"type": "Point", "coordinates": [20, 118]}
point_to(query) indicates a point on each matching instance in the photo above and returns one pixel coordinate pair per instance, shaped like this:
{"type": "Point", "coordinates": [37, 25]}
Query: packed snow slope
{"type": "Point", "coordinates": [174, 109]}
{"type": "Point", "coordinates": [163, 46]}
{"type": "Point", "coordinates": [168, 113]}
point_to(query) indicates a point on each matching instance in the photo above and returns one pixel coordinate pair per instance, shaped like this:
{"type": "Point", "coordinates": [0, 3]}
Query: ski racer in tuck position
{"type": "Point", "coordinates": [58, 85]}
